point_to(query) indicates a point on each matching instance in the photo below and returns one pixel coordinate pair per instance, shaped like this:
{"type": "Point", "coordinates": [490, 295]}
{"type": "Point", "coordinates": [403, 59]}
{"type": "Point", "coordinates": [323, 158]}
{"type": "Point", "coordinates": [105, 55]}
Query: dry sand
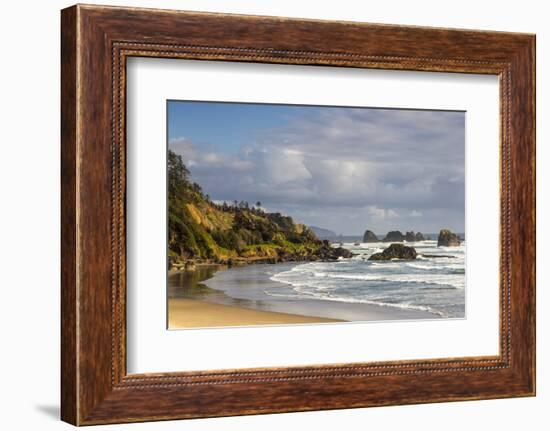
{"type": "Point", "coordinates": [191, 313]}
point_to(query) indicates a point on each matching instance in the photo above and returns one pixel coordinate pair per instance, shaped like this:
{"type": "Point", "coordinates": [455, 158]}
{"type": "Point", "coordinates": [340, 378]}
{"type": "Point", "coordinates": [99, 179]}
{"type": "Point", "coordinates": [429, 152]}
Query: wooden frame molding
{"type": "Point", "coordinates": [95, 43]}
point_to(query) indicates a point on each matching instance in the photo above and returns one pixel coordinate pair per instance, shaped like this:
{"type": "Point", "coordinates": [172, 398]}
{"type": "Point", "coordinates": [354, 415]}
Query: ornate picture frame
{"type": "Point", "coordinates": [96, 41]}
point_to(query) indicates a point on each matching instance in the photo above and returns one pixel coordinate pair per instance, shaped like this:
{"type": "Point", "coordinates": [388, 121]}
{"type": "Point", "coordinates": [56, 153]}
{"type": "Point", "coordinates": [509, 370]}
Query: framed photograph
{"type": "Point", "coordinates": [263, 214]}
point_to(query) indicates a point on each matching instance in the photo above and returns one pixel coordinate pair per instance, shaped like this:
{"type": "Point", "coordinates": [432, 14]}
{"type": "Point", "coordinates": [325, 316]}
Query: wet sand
{"type": "Point", "coordinates": [214, 296]}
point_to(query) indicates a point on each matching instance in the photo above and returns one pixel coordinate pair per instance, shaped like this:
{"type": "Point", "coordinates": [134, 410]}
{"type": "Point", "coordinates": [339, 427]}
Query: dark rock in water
{"type": "Point", "coordinates": [370, 237]}
{"type": "Point", "coordinates": [410, 236]}
{"type": "Point", "coordinates": [326, 252]}
{"type": "Point", "coordinates": [447, 238]}
{"type": "Point", "coordinates": [413, 237]}
{"type": "Point", "coordinates": [394, 236]}
{"type": "Point", "coordinates": [342, 252]}
{"type": "Point", "coordinates": [395, 251]}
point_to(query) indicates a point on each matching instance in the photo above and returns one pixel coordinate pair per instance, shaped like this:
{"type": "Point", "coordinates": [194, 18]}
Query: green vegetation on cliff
{"type": "Point", "coordinates": [202, 230]}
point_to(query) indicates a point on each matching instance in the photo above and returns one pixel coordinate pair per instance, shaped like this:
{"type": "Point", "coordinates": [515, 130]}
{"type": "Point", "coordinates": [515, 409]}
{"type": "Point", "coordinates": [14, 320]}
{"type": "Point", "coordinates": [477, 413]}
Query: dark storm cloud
{"type": "Point", "coordinates": [346, 169]}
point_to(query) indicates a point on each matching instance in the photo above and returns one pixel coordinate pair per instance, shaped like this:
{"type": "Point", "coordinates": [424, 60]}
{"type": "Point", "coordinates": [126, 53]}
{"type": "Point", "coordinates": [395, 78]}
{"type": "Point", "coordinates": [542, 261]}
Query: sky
{"type": "Point", "coordinates": [339, 168]}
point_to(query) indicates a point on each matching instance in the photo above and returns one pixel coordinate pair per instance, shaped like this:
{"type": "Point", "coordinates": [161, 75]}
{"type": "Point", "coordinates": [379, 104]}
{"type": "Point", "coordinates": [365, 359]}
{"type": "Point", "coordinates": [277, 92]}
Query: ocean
{"type": "Point", "coordinates": [431, 284]}
{"type": "Point", "coordinates": [355, 289]}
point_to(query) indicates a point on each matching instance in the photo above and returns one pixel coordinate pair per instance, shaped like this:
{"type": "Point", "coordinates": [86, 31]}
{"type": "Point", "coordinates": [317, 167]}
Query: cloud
{"type": "Point", "coordinates": [381, 213]}
{"type": "Point", "coordinates": [346, 169]}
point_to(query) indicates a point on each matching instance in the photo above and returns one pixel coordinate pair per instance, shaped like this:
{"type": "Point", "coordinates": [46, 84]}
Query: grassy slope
{"type": "Point", "coordinates": [200, 230]}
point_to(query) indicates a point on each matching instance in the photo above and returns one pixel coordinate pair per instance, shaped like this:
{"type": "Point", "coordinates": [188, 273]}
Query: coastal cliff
{"type": "Point", "coordinates": [203, 231]}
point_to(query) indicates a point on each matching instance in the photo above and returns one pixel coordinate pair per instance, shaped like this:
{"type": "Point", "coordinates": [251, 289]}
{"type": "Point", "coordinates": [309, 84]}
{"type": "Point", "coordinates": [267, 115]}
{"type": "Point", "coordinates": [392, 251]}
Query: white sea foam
{"type": "Point", "coordinates": [451, 280]}
{"type": "Point", "coordinates": [327, 297]}
{"type": "Point", "coordinates": [434, 284]}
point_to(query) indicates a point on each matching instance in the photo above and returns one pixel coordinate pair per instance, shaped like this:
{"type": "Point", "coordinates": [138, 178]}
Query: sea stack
{"type": "Point", "coordinates": [394, 236]}
{"type": "Point", "coordinates": [419, 237]}
{"type": "Point", "coordinates": [370, 237]}
{"type": "Point", "coordinates": [328, 253]}
{"type": "Point", "coordinates": [447, 239]}
{"type": "Point", "coordinates": [413, 237]}
{"type": "Point", "coordinates": [410, 236]}
{"type": "Point", "coordinates": [395, 251]}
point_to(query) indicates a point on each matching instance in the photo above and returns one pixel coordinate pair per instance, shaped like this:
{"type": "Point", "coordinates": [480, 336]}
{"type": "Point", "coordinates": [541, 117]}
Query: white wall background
{"type": "Point", "coordinates": [29, 215]}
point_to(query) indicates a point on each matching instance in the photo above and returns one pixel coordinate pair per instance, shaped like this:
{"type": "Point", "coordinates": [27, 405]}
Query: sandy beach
{"type": "Point", "coordinates": [190, 313]}
{"type": "Point", "coordinates": [215, 296]}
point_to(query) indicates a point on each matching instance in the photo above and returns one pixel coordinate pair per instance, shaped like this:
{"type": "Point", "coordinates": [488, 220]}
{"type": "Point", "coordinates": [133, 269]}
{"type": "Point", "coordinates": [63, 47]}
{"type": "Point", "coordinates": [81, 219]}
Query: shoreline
{"type": "Point", "coordinates": [188, 313]}
{"type": "Point", "coordinates": [237, 263]}
{"type": "Point", "coordinates": [324, 253]}
{"type": "Point", "coordinates": [214, 295]}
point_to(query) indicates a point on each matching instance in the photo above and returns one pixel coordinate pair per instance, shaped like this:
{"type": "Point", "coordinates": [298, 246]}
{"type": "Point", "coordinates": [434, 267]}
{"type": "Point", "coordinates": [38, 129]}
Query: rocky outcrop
{"type": "Point", "coordinates": [326, 252]}
{"type": "Point", "coordinates": [370, 237]}
{"type": "Point", "coordinates": [395, 251]}
{"type": "Point", "coordinates": [419, 237]}
{"type": "Point", "coordinates": [413, 237]}
{"type": "Point", "coordinates": [394, 236]}
{"type": "Point", "coordinates": [447, 239]}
